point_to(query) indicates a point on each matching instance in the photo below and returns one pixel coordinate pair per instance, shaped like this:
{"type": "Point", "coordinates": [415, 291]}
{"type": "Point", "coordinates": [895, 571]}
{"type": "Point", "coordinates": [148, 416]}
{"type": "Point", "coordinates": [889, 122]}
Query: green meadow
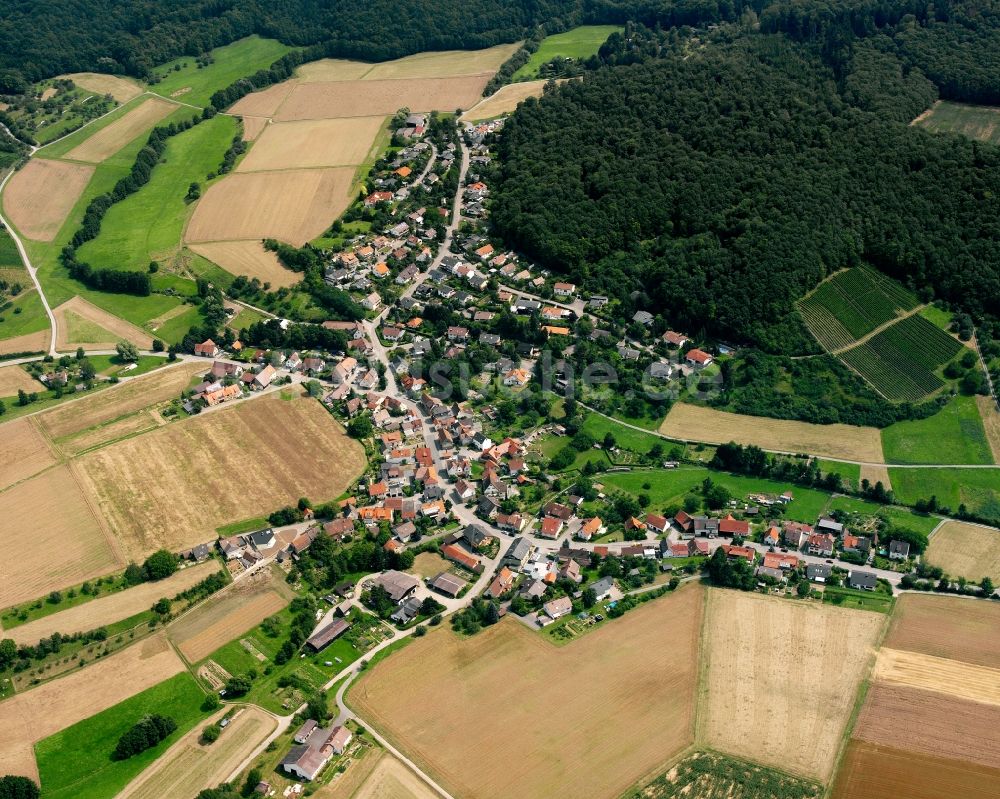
{"type": "Point", "coordinates": [953, 435]}
{"type": "Point", "coordinates": [977, 489]}
{"type": "Point", "coordinates": [578, 43]}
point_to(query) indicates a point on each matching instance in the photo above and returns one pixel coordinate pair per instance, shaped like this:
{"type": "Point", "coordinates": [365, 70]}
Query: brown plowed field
{"type": "Point", "coordinates": [694, 423]}
{"type": "Point", "coordinates": [54, 539]}
{"type": "Point", "coordinates": [313, 143]}
{"type": "Point", "coordinates": [757, 695]}
{"type": "Point", "coordinates": [13, 378]}
{"type": "Point", "coordinates": [366, 98]}
{"type": "Point", "coordinates": [31, 342]}
{"type": "Point", "coordinates": [25, 452]}
{"type": "Point", "coordinates": [294, 206]}
{"type": "Point", "coordinates": [248, 258]}
{"type": "Point", "coordinates": [880, 772]}
{"type": "Point", "coordinates": [112, 608]}
{"type": "Point", "coordinates": [586, 719]}
{"type": "Point", "coordinates": [966, 550]}
{"type": "Point", "coordinates": [119, 328]}
{"type": "Point", "coordinates": [43, 711]}
{"type": "Point", "coordinates": [947, 627]}
{"type": "Point", "coordinates": [504, 100]}
{"type": "Point", "coordinates": [963, 680]}
{"type": "Point", "coordinates": [174, 486]}
{"type": "Point", "coordinates": [931, 723]}
{"type": "Point", "coordinates": [39, 197]}
{"type": "Point", "coordinates": [109, 140]}
{"type": "Point", "coordinates": [253, 126]}
{"type": "Point", "coordinates": [121, 89]}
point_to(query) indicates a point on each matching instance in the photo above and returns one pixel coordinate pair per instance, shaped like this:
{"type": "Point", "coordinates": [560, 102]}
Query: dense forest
{"type": "Point", "coordinates": [719, 186]}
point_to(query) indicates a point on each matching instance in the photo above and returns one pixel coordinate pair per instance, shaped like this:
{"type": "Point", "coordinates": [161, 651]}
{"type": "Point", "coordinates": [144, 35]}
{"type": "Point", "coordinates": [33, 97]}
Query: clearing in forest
{"type": "Point", "coordinates": [973, 121]}
{"type": "Point", "coordinates": [695, 423]}
{"type": "Point", "coordinates": [966, 550]}
{"type": "Point", "coordinates": [577, 43]}
{"type": "Point", "coordinates": [39, 197]}
{"type": "Point", "coordinates": [756, 695]}
{"type": "Point", "coordinates": [248, 258]}
{"type": "Point", "coordinates": [81, 323]}
{"type": "Point", "coordinates": [110, 139]}
{"type": "Point", "coordinates": [624, 693]}
{"type": "Point", "coordinates": [947, 627]}
{"type": "Point", "coordinates": [504, 100]}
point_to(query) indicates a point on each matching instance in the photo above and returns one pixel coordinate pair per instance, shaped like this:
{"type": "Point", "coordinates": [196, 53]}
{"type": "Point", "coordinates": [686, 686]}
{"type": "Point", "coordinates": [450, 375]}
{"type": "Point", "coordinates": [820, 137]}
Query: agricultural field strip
{"type": "Point", "coordinates": [947, 627]}
{"type": "Point", "coordinates": [952, 677]}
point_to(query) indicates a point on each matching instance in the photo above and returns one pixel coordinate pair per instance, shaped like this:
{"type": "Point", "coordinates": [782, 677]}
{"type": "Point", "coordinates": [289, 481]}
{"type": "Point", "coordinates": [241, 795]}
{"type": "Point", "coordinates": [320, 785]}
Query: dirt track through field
{"type": "Point", "coordinates": [966, 550]}
{"type": "Point", "coordinates": [39, 197]}
{"type": "Point", "coordinates": [118, 328]}
{"type": "Point", "coordinates": [45, 710]}
{"type": "Point", "coordinates": [947, 627]}
{"type": "Point", "coordinates": [991, 424]}
{"type": "Point", "coordinates": [112, 608]}
{"type": "Point", "coordinates": [248, 258]}
{"type": "Point", "coordinates": [781, 678]}
{"type": "Point", "coordinates": [25, 452]}
{"type": "Point", "coordinates": [695, 423]}
{"type": "Point", "coordinates": [586, 719]}
{"type": "Point", "coordinates": [109, 140]}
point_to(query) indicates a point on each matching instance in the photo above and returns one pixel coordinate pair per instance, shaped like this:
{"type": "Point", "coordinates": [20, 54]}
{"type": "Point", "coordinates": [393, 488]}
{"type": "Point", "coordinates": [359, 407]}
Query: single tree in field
{"type": "Point", "coordinates": [18, 788]}
{"type": "Point", "coordinates": [127, 351]}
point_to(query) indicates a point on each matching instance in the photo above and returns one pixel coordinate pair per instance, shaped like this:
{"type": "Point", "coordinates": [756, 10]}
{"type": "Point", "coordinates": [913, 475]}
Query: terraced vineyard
{"type": "Point", "coordinates": [900, 362]}
{"type": "Point", "coordinates": [852, 304]}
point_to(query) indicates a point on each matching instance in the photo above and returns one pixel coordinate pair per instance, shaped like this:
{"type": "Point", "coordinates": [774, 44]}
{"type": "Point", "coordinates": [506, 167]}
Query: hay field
{"type": "Point", "coordinates": [189, 766]}
{"type": "Point", "coordinates": [121, 400]}
{"type": "Point", "coordinates": [294, 206]}
{"type": "Point", "coordinates": [122, 89]}
{"type": "Point", "coordinates": [379, 97]}
{"type": "Point", "coordinates": [13, 378]}
{"type": "Point", "coordinates": [248, 258]}
{"type": "Point", "coordinates": [106, 433]}
{"type": "Point", "coordinates": [934, 724]}
{"type": "Point", "coordinates": [947, 627]}
{"type": "Point", "coordinates": [264, 103]}
{"type": "Point", "coordinates": [750, 700]}
{"type": "Point", "coordinates": [253, 126]}
{"type": "Point", "coordinates": [313, 143]}
{"type": "Point", "coordinates": [504, 100]}
{"type": "Point", "coordinates": [25, 451]}
{"type": "Point", "coordinates": [331, 69]}
{"type": "Point", "coordinates": [953, 677]}
{"type": "Point", "coordinates": [991, 424]}
{"type": "Point", "coordinates": [57, 537]}
{"type": "Point", "coordinates": [694, 423]}
{"type": "Point", "coordinates": [39, 197]}
{"type": "Point", "coordinates": [881, 772]}
{"type": "Point", "coordinates": [444, 63]}
{"type": "Point", "coordinates": [110, 139]}
{"type": "Point", "coordinates": [966, 550]}
{"type": "Point", "coordinates": [228, 615]}
{"type": "Point", "coordinates": [587, 719]}
{"type": "Point", "coordinates": [113, 607]}
{"type": "Point", "coordinates": [392, 780]}
{"type": "Point", "coordinates": [36, 714]}
{"type": "Point", "coordinates": [30, 342]}
{"type": "Point", "coordinates": [118, 328]}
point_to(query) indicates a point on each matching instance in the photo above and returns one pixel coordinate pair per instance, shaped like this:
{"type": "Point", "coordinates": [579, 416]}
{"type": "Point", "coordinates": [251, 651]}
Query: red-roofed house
{"type": "Point", "coordinates": [698, 357]}
{"type": "Point", "coordinates": [551, 527]}
{"type": "Point", "coordinates": [730, 526]}
{"type": "Point", "coordinates": [458, 555]}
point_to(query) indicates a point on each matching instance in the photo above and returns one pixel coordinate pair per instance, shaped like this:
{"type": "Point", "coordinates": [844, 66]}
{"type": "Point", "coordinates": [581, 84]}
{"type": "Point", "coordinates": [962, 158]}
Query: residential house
{"type": "Point", "coordinates": [407, 611]}
{"type": "Point", "coordinates": [372, 302]}
{"type": "Point", "coordinates": [571, 571]}
{"type": "Point", "coordinates": [818, 572]}
{"type": "Point", "coordinates": [517, 553]}
{"type": "Point", "coordinates": [557, 608]}
{"type": "Point", "coordinates": [698, 358]}
{"type": "Point", "coordinates": [502, 583]}
{"type": "Point", "coordinates": [656, 523]}
{"type": "Point", "coordinates": [864, 581]}
{"type": "Point", "coordinates": [591, 528]}
{"type": "Point", "coordinates": [457, 554]}
{"type": "Point", "coordinates": [746, 553]}
{"type": "Point", "coordinates": [448, 584]}
{"type": "Point", "coordinates": [398, 585]}
{"type": "Point", "coordinates": [820, 544]}
{"type": "Point", "coordinates": [673, 339]}
{"type": "Point", "coordinates": [899, 550]}
{"type": "Point", "coordinates": [551, 527]}
{"type": "Point", "coordinates": [603, 587]}
{"type": "Point", "coordinates": [207, 349]}
{"type": "Point", "coordinates": [728, 526]}
{"type": "Point", "coordinates": [564, 289]}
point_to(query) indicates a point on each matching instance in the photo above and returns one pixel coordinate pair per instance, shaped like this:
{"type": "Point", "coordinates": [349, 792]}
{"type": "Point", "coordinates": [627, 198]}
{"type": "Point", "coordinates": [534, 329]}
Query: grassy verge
{"type": "Point", "coordinates": [245, 526]}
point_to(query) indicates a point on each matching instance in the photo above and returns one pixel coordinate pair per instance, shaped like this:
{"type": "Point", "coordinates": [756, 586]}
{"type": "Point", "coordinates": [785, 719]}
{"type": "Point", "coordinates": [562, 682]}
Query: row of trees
{"type": "Point", "coordinates": [144, 734]}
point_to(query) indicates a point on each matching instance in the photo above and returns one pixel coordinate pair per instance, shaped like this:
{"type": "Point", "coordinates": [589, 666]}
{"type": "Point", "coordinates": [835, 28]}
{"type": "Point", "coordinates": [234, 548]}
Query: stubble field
{"type": "Point", "coordinates": [14, 378]}
{"type": "Point", "coordinates": [504, 100]}
{"type": "Point", "coordinates": [694, 423]}
{"type": "Point", "coordinates": [392, 780]}
{"type": "Point", "coordinates": [122, 89]}
{"type": "Point", "coordinates": [947, 627]}
{"type": "Point", "coordinates": [966, 550]}
{"type": "Point", "coordinates": [117, 329]}
{"type": "Point", "coordinates": [991, 424]}
{"type": "Point", "coordinates": [253, 127]}
{"type": "Point", "coordinates": [313, 143]}
{"type": "Point", "coordinates": [758, 694]}
{"type": "Point", "coordinates": [25, 452]}
{"type": "Point", "coordinates": [39, 197]}
{"type": "Point", "coordinates": [953, 677]}
{"type": "Point", "coordinates": [248, 258]}
{"type": "Point", "coordinates": [110, 139]}
{"type": "Point", "coordinates": [623, 694]}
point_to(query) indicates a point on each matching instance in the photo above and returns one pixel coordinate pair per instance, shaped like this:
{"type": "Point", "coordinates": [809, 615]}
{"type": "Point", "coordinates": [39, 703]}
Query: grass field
{"type": "Point", "coordinates": [39, 197]}
{"type": "Point", "coordinates": [858, 600]}
{"type": "Point", "coordinates": [975, 122]}
{"type": "Point", "coordinates": [977, 489]}
{"type": "Point", "coordinates": [696, 423]}
{"type": "Point", "coordinates": [966, 550]}
{"type": "Point", "coordinates": [990, 417]}
{"type": "Point", "coordinates": [624, 693]}
{"type": "Point", "coordinates": [27, 330]}
{"type": "Point", "coordinates": [755, 694]}
{"type": "Point", "coordinates": [26, 451]}
{"type": "Point", "coordinates": [625, 437]}
{"type": "Point", "coordinates": [954, 434]}
{"type": "Point", "coordinates": [947, 627]}
{"type": "Point", "coordinates": [670, 487]}
{"type": "Point", "coordinates": [191, 84]}
{"type": "Point", "coordinates": [578, 43]}
{"type": "Point", "coordinates": [148, 224]}
{"type": "Point", "coordinates": [850, 472]}
{"type": "Point", "coordinates": [504, 100]}
{"type": "Point", "coordinates": [76, 762]}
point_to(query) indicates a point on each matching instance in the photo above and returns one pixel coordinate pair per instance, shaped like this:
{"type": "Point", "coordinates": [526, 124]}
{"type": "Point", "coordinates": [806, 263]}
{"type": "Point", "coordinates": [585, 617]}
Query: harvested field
{"type": "Point", "coordinates": [876, 474]}
{"type": "Point", "coordinates": [248, 258]}
{"type": "Point", "coordinates": [881, 772]}
{"type": "Point", "coordinates": [694, 423]}
{"type": "Point", "coordinates": [951, 677]}
{"type": "Point", "coordinates": [106, 433]}
{"type": "Point", "coordinates": [751, 704]}
{"type": "Point", "coordinates": [429, 564]}
{"type": "Point", "coordinates": [189, 766]}
{"type": "Point", "coordinates": [625, 694]}
{"type": "Point", "coordinates": [991, 424]}
{"type": "Point", "coordinates": [122, 89]}
{"type": "Point", "coordinates": [392, 780]}
{"type": "Point", "coordinates": [118, 328]}
{"type": "Point", "coordinates": [263, 103]}
{"type": "Point", "coordinates": [113, 607]}
{"type": "Point", "coordinates": [332, 69]}
{"type": "Point", "coordinates": [504, 100]}
{"type": "Point", "coordinates": [934, 724]}
{"type": "Point", "coordinates": [44, 515]}
{"type": "Point", "coordinates": [294, 206]}
{"type": "Point", "coordinates": [227, 616]}
{"type": "Point", "coordinates": [966, 550]}
{"type": "Point", "coordinates": [444, 63]}
{"type": "Point", "coordinates": [36, 714]}
{"type": "Point", "coordinates": [152, 488]}
{"type": "Point", "coordinates": [109, 140]}
{"type": "Point", "coordinates": [379, 97]}
{"type": "Point", "coordinates": [30, 342]}
{"type": "Point", "coordinates": [253, 126]}
{"type": "Point", "coordinates": [117, 401]}
{"type": "Point", "coordinates": [25, 451]}
{"type": "Point", "coordinates": [39, 197]}
{"type": "Point", "coordinates": [313, 143]}
{"type": "Point", "coordinates": [947, 627]}
{"type": "Point", "coordinates": [13, 378]}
